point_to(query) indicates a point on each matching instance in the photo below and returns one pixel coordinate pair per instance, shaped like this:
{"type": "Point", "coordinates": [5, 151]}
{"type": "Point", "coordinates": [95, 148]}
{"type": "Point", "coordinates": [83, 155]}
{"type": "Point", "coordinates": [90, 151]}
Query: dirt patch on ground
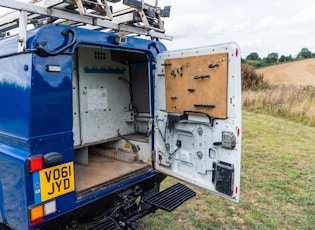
{"type": "Point", "coordinates": [298, 72]}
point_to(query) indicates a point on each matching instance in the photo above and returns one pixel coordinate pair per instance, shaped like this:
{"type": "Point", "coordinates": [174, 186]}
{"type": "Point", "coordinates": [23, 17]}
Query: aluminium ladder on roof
{"type": "Point", "coordinates": [137, 18]}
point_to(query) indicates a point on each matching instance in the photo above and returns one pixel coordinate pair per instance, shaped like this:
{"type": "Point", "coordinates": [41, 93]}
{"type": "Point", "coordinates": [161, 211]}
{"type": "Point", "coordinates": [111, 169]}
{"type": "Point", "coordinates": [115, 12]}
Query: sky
{"type": "Point", "coordinates": [262, 26]}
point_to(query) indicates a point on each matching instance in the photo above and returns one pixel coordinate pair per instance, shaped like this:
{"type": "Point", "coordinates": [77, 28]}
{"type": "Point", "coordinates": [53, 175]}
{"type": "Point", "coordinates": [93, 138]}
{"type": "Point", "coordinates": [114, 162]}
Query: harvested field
{"type": "Point", "coordinates": [298, 72]}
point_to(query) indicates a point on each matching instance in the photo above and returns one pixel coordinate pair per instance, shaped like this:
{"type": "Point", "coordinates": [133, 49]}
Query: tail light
{"type": "Point", "coordinates": [38, 212]}
{"type": "Point", "coordinates": [35, 163]}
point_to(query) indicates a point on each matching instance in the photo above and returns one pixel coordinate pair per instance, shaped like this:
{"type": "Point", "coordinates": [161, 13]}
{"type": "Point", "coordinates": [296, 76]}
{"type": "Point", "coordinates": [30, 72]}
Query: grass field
{"type": "Point", "coordinates": [278, 183]}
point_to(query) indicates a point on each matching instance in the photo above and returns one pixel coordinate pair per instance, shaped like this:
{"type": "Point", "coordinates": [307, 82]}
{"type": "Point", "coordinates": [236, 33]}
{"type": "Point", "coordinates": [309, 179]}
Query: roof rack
{"type": "Point", "coordinates": [137, 18]}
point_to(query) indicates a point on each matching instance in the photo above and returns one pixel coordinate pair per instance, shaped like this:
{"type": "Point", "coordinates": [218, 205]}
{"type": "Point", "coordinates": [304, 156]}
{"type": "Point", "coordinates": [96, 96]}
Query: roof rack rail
{"type": "Point", "coordinates": [137, 18]}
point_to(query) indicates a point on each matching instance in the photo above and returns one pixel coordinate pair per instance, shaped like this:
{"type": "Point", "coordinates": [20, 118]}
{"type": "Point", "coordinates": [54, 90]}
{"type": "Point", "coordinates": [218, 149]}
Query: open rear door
{"type": "Point", "coordinates": [197, 126]}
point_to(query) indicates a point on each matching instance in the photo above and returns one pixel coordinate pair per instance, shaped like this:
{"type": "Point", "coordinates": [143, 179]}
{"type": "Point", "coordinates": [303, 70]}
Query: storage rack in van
{"type": "Point", "coordinates": [135, 17]}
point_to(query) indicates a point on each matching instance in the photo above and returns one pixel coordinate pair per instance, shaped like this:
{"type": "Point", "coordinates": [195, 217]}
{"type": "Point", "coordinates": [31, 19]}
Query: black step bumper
{"type": "Point", "coordinates": [171, 198]}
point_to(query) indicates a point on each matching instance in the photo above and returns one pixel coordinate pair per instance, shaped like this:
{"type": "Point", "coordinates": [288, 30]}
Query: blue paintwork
{"type": "Point", "coordinates": [14, 186]}
{"type": "Point", "coordinates": [116, 187]}
{"type": "Point", "coordinates": [51, 100]}
{"type": "Point", "coordinates": [15, 84]}
{"type": "Point", "coordinates": [36, 113]}
{"type": "Point", "coordinates": [51, 34]}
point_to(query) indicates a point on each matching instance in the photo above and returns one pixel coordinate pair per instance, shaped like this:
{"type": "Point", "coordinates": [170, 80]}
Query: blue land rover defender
{"type": "Point", "coordinates": [92, 121]}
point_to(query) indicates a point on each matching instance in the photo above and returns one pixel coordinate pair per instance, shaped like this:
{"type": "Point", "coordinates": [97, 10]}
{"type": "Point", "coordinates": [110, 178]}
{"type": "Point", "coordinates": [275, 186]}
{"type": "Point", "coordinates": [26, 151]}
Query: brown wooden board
{"type": "Point", "coordinates": [192, 85]}
{"type": "Point", "coordinates": [101, 170]}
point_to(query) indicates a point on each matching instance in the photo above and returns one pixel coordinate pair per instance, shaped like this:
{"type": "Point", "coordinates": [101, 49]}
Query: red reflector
{"type": "Point", "coordinates": [36, 164]}
{"type": "Point", "coordinates": [32, 223]}
{"type": "Point", "coordinates": [238, 132]}
{"type": "Point", "coordinates": [236, 190]}
{"type": "Point", "coordinates": [236, 52]}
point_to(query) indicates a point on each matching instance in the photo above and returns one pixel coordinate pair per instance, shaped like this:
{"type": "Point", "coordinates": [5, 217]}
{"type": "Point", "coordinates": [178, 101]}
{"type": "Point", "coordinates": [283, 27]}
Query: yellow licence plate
{"type": "Point", "coordinates": [56, 181]}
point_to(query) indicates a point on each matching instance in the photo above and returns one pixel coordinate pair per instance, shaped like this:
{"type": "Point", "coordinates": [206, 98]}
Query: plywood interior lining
{"type": "Point", "coordinates": [196, 83]}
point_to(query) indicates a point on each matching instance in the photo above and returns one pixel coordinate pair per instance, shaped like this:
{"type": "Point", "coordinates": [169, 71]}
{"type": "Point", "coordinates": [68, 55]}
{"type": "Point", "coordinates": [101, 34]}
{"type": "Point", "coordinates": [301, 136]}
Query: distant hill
{"type": "Point", "coordinates": [298, 72]}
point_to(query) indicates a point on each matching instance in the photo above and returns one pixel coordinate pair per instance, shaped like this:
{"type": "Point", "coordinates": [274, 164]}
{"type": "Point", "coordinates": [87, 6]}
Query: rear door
{"type": "Point", "coordinates": [197, 125]}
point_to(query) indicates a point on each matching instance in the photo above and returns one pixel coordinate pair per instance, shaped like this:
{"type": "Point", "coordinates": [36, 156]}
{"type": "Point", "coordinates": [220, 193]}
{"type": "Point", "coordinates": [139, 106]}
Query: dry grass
{"type": "Point", "coordinates": [295, 103]}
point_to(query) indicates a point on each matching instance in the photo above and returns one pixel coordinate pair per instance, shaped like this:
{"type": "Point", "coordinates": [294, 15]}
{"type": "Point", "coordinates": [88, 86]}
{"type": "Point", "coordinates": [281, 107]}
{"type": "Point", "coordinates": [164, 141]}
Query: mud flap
{"type": "Point", "coordinates": [171, 198]}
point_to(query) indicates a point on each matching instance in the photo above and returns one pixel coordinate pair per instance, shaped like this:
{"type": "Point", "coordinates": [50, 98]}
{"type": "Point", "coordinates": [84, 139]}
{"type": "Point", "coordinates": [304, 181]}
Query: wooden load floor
{"type": "Point", "coordinates": [103, 172]}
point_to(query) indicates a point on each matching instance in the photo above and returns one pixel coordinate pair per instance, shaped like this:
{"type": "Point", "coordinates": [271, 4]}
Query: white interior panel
{"type": "Point", "coordinates": [102, 96]}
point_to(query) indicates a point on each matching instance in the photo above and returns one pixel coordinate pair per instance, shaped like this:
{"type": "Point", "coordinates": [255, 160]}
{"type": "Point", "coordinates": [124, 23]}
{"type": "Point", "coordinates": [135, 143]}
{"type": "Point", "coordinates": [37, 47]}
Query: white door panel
{"type": "Point", "coordinates": [198, 117]}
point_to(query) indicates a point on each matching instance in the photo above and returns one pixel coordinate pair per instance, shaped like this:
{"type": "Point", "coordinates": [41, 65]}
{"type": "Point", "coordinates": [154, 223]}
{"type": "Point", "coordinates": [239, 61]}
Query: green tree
{"type": "Point", "coordinates": [285, 58]}
{"type": "Point", "coordinates": [272, 57]}
{"type": "Point", "coordinates": [304, 53]}
{"type": "Point", "coordinates": [282, 58]}
{"type": "Point", "coordinates": [253, 57]}
{"type": "Point", "coordinates": [289, 58]}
